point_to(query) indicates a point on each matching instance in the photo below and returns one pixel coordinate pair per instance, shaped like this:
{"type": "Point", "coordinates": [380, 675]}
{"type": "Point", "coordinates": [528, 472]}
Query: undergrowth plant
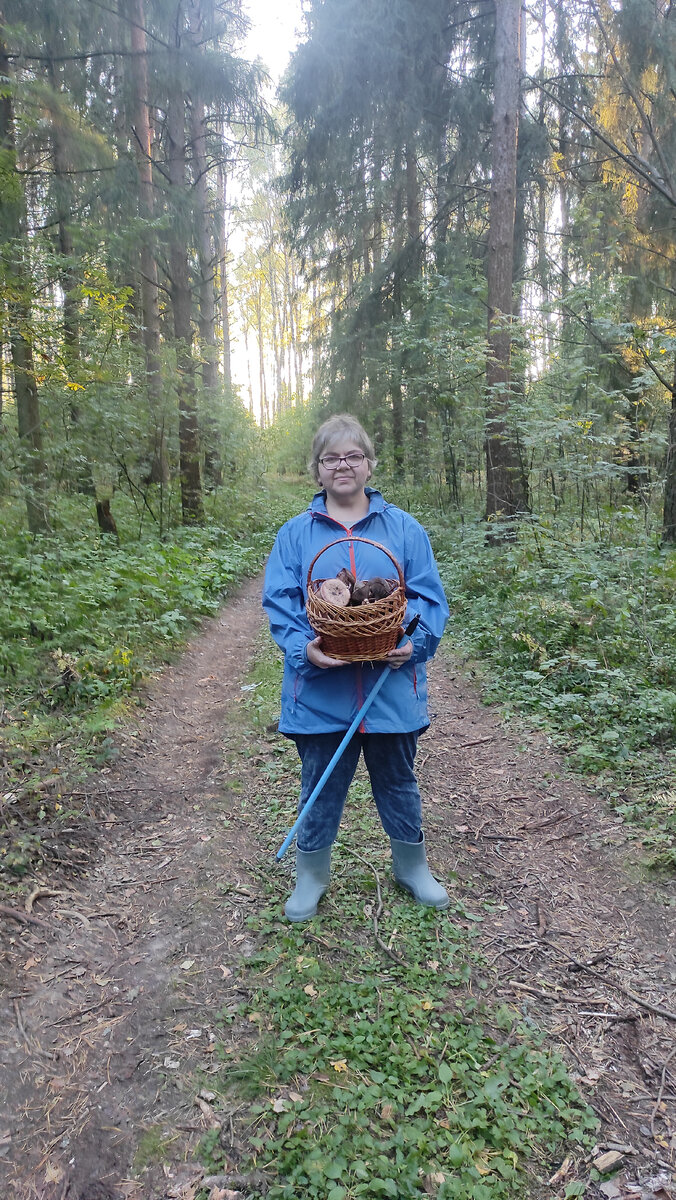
{"type": "Point", "coordinates": [361, 1057]}
{"type": "Point", "coordinates": [83, 620]}
{"type": "Point", "coordinates": [579, 636]}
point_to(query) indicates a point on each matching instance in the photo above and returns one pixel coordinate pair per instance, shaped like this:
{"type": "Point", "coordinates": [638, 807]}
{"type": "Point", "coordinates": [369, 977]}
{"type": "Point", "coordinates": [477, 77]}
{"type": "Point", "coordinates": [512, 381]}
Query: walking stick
{"type": "Point", "coordinates": [327, 772]}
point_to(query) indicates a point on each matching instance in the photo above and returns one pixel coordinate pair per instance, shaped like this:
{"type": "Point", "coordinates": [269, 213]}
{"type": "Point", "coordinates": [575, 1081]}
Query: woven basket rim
{"type": "Point", "coordinates": [356, 538]}
{"type": "Point", "coordinates": [359, 632]}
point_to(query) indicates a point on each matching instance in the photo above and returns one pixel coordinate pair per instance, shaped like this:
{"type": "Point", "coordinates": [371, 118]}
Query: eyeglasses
{"type": "Point", "coordinates": [331, 462]}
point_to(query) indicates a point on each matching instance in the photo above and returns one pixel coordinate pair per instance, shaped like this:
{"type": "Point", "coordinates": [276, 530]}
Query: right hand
{"type": "Point", "coordinates": [315, 655]}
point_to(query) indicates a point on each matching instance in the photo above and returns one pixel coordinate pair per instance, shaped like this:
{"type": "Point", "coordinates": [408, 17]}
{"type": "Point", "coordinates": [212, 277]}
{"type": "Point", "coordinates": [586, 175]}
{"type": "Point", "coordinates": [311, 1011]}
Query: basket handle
{"type": "Point", "coordinates": [368, 542]}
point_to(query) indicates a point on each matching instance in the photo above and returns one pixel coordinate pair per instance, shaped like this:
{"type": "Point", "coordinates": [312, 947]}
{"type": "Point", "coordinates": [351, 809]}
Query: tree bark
{"type": "Point", "coordinates": [224, 283]}
{"type": "Point", "coordinates": [142, 141]}
{"type": "Point", "coordinates": [505, 482]}
{"type": "Point", "coordinates": [669, 518]}
{"type": "Point", "coordinates": [206, 254]}
{"type": "Point", "coordinates": [14, 271]}
{"type": "Point", "coordinates": [192, 506]}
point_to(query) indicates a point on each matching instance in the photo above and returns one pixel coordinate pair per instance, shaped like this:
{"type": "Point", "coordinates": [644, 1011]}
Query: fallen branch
{"type": "Point", "coordinates": [36, 893]}
{"type": "Point", "coordinates": [563, 998]}
{"type": "Point", "coordinates": [661, 1091]}
{"type": "Point", "coordinates": [395, 957]}
{"type": "Point", "coordinates": [555, 820]}
{"type": "Point", "coordinates": [24, 918]}
{"type": "Point", "coordinates": [581, 966]}
{"type": "Point", "coordinates": [73, 912]}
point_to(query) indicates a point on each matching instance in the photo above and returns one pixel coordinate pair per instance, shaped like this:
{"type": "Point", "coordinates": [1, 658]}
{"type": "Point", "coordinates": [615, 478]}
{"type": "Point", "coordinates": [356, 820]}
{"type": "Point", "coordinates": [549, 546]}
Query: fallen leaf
{"type": "Point", "coordinates": [53, 1174]}
{"type": "Point", "coordinates": [279, 1105]}
{"type": "Point", "coordinates": [187, 964]}
{"type": "Point", "coordinates": [253, 1017]}
{"type": "Point", "coordinates": [433, 1182]}
{"type": "Point", "coordinates": [611, 1191]}
{"type": "Point", "coordinates": [226, 972]}
{"type": "Point", "coordinates": [310, 990]}
{"type": "Point", "coordinates": [295, 1096]}
{"type": "Point", "coordinates": [172, 1063]}
{"type": "Point", "coordinates": [30, 963]}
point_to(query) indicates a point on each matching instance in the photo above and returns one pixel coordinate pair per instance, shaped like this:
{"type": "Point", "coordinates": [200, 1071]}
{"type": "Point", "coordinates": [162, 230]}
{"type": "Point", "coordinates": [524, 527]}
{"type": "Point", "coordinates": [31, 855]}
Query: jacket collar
{"type": "Point", "coordinates": [317, 506]}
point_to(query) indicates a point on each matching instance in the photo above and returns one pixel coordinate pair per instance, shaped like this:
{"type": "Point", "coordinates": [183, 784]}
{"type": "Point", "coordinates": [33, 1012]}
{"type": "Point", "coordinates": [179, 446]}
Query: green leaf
{"type": "Point", "coordinates": [445, 1073]}
{"type": "Point", "coordinates": [336, 1169]}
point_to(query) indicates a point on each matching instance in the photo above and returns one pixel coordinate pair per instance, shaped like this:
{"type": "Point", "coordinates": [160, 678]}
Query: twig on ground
{"type": "Point", "coordinates": [661, 1091]}
{"type": "Point", "coordinates": [555, 820]}
{"type": "Point", "coordinates": [563, 998]}
{"type": "Point", "coordinates": [73, 912]}
{"type": "Point", "coordinates": [505, 1045]}
{"type": "Point", "coordinates": [81, 1012]}
{"type": "Point", "coordinates": [379, 908]}
{"type": "Point", "coordinates": [19, 1022]}
{"type": "Point", "coordinates": [36, 893]}
{"type": "Point", "coordinates": [24, 918]}
{"type": "Point", "coordinates": [653, 1008]}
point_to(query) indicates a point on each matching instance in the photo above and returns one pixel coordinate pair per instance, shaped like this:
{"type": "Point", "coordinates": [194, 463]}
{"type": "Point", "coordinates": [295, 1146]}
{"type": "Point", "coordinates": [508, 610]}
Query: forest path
{"type": "Point", "coordinates": [109, 1002]}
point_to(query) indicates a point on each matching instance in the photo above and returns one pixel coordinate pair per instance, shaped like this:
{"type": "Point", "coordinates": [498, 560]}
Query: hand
{"type": "Point", "coordinates": [315, 655]}
{"type": "Point", "coordinates": [400, 655]}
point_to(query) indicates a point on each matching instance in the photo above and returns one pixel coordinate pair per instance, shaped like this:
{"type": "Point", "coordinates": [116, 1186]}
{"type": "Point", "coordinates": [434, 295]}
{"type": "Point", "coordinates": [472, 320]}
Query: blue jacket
{"type": "Point", "coordinates": [315, 700]}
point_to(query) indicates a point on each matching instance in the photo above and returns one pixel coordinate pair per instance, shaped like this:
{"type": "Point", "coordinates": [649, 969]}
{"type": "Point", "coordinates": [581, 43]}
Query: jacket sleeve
{"type": "Point", "coordinates": [424, 591]}
{"type": "Point", "coordinates": [284, 601]}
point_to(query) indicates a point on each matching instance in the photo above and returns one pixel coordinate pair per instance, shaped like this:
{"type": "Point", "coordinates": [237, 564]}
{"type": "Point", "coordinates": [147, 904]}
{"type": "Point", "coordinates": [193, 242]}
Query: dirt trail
{"type": "Point", "coordinates": [108, 1003]}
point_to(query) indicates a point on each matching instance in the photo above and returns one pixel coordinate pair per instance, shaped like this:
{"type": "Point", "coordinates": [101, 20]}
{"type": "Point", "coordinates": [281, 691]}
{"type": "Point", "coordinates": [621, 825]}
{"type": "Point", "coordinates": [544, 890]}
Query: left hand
{"type": "Point", "coordinates": [400, 655]}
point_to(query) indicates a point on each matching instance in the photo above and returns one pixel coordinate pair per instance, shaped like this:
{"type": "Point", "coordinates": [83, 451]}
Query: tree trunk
{"type": "Point", "coordinates": [15, 276]}
{"type": "Point", "coordinates": [223, 271]}
{"type": "Point", "coordinates": [141, 138]}
{"type": "Point", "coordinates": [669, 521]}
{"type": "Point", "coordinates": [192, 507]}
{"type": "Point", "coordinates": [505, 483]}
{"type": "Point", "coordinates": [213, 470]}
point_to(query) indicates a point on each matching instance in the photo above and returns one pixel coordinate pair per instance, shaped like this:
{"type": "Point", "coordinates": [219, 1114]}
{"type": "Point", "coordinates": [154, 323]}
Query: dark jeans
{"type": "Point", "coordinates": [389, 759]}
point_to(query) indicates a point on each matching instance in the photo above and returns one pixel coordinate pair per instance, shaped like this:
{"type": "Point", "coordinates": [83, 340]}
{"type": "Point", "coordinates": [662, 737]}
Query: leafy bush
{"type": "Point", "coordinates": [581, 636]}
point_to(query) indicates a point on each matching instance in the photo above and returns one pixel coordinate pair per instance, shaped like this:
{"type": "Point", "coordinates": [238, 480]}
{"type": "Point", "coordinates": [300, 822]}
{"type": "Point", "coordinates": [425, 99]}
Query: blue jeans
{"type": "Point", "coordinates": [389, 759]}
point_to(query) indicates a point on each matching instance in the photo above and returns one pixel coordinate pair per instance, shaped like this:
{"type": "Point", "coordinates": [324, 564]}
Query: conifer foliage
{"type": "Point", "coordinates": [117, 131]}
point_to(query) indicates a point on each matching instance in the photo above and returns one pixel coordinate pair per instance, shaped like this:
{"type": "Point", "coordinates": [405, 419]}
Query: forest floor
{"type": "Point", "coordinates": [112, 977]}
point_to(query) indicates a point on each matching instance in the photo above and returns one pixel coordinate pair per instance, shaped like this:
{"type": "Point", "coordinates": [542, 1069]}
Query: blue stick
{"type": "Point", "coordinates": [357, 720]}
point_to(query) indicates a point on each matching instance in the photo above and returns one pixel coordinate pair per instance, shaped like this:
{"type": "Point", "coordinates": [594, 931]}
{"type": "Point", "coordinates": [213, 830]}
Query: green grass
{"type": "Point", "coordinates": [362, 1074]}
{"type": "Point", "coordinates": [580, 638]}
{"type": "Point", "coordinates": [82, 622]}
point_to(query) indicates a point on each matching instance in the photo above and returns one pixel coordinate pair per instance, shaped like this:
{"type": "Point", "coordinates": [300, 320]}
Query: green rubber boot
{"type": "Point", "coordinates": [313, 868]}
{"type": "Point", "coordinates": [409, 862]}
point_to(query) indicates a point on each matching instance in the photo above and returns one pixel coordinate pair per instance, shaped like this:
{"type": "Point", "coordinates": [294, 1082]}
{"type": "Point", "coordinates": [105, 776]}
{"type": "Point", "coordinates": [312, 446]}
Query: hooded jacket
{"type": "Point", "coordinates": [317, 700]}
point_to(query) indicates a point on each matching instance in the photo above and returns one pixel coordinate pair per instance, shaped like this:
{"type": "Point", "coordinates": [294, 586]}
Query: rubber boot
{"type": "Point", "coordinates": [409, 862]}
{"type": "Point", "coordinates": [313, 868]}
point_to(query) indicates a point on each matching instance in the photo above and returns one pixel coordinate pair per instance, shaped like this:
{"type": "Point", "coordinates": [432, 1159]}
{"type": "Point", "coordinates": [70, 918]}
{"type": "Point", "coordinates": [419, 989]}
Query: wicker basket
{"type": "Point", "coordinates": [365, 632]}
